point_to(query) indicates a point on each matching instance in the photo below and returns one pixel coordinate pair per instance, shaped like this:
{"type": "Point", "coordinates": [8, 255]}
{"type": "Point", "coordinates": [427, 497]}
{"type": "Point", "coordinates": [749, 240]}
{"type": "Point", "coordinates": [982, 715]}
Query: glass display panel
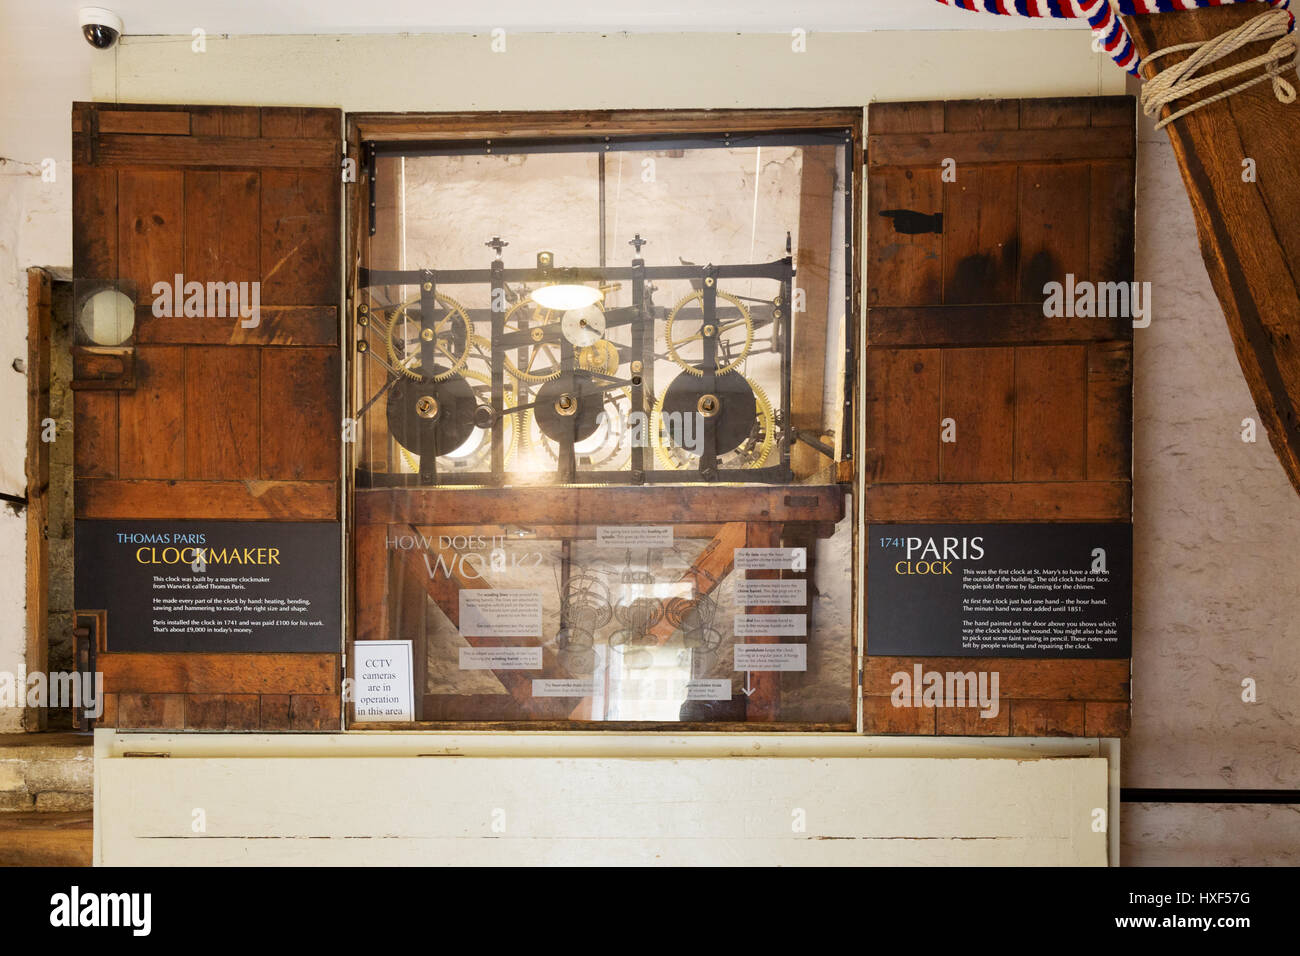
{"type": "Point", "coordinates": [601, 408]}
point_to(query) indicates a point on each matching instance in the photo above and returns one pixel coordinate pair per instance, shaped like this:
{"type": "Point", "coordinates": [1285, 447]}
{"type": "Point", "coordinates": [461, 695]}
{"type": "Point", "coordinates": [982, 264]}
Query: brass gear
{"type": "Point", "coordinates": [548, 446]}
{"type": "Point", "coordinates": [454, 309]}
{"type": "Point", "coordinates": [510, 400]}
{"type": "Point", "coordinates": [546, 317]}
{"type": "Point", "coordinates": [745, 319]}
{"type": "Point", "coordinates": [757, 457]}
{"type": "Point", "coordinates": [601, 357]}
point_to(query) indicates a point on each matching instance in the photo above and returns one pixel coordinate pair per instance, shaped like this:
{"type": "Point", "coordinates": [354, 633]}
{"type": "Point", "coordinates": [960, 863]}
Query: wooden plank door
{"type": "Point", "coordinates": [207, 418]}
{"type": "Point", "coordinates": [973, 207]}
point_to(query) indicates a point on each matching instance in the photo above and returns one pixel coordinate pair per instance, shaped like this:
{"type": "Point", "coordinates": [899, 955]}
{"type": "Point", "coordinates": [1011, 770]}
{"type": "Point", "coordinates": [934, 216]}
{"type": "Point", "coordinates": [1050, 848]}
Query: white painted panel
{"type": "Point", "coordinates": [548, 810]}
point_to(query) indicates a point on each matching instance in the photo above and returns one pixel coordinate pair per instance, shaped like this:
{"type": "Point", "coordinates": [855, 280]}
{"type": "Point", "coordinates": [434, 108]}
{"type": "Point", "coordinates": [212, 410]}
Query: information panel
{"type": "Point", "coordinates": [1000, 590]}
{"type": "Point", "coordinates": [212, 585]}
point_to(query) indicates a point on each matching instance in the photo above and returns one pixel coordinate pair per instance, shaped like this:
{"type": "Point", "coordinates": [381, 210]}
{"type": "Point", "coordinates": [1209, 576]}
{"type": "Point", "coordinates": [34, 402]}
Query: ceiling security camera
{"type": "Point", "coordinates": [100, 27]}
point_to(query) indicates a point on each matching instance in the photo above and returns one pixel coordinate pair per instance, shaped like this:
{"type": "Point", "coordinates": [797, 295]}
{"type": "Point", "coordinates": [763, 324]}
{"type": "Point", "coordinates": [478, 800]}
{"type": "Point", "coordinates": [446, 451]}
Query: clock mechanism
{"type": "Point", "coordinates": [576, 375]}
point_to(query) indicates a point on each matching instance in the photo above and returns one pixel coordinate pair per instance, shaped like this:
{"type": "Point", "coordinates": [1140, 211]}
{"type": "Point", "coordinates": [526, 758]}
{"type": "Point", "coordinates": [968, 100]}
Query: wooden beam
{"type": "Point", "coordinates": [707, 571]}
{"type": "Point", "coordinates": [215, 152]}
{"type": "Point", "coordinates": [164, 498]}
{"type": "Point", "coordinates": [624, 504]}
{"type": "Point", "coordinates": [528, 124]}
{"type": "Point", "coordinates": [189, 673]}
{"type": "Point", "coordinates": [1249, 231]}
{"type": "Point", "coordinates": [999, 501]}
{"type": "Point", "coordinates": [987, 147]}
{"type": "Point", "coordinates": [921, 326]}
{"type": "Point", "coordinates": [278, 325]}
{"type": "Point", "coordinates": [1018, 677]}
{"type": "Point", "coordinates": [36, 659]}
{"type": "Point", "coordinates": [817, 211]}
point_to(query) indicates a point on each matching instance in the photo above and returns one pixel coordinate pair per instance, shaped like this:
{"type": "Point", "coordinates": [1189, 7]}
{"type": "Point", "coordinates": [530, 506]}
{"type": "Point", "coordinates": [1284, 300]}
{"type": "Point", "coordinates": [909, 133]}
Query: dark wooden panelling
{"type": "Point", "coordinates": [278, 325]}
{"type": "Point", "coordinates": [1063, 146]}
{"type": "Point", "coordinates": [1018, 678]}
{"type": "Point", "coordinates": [1054, 217]}
{"type": "Point", "coordinates": [225, 121]}
{"type": "Point", "coordinates": [169, 122]}
{"type": "Point", "coordinates": [980, 242]}
{"type": "Point", "coordinates": [1051, 408]}
{"type": "Point", "coordinates": [1110, 411]}
{"type": "Point", "coordinates": [150, 229]}
{"type": "Point", "coordinates": [1046, 718]}
{"type": "Point", "coordinates": [961, 116]}
{"type": "Point", "coordinates": [231, 500]}
{"type": "Point", "coordinates": [1056, 113]}
{"type": "Point", "coordinates": [151, 420]}
{"type": "Point", "coordinates": [902, 404]}
{"type": "Point", "coordinates": [225, 712]}
{"type": "Point", "coordinates": [1112, 111]}
{"type": "Point", "coordinates": [999, 501]}
{"type": "Point", "coordinates": [300, 236]}
{"type": "Point", "coordinates": [1106, 718]}
{"type": "Point", "coordinates": [1042, 404]}
{"type": "Point", "coordinates": [185, 673]}
{"type": "Point", "coordinates": [94, 214]}
{"type": "Point", "coordinates": [94, 438]}
{"type": "Point", "coordinates": [222, 222]}
{"type": "Point", "coordinates": [301, 425]}
{"type": "Point", "coordinates": [301, 122]}
{"type": "Point", "coordinates": [1015, 324]}
{"type": "Point", "coordinates": [904, 267]}
{"type": "Point", "coordinates": [212, 152]}
{"type": "Point", "coordinates": [314, 712]}
{"type": "Point", "coordinates": [150, 711]}
{"type": "Point", "coordinates": [1111, 226]}
{"type": "Point", "coordinates": [918, 117]}
{"type": "Point", "coordinates": [218, 195]}
{"type": "Point", "coordinates": [205, 712]}
{"type": "Point", "coordinates": [880, 716]}
{"type": "Point", "coordinates": [978, 394]}
{"type": "Point", "coordinates": [274, 713]}
{"type": "Point", "coordinates": [970, 722]}
{"type": "Point", "coordinates": [221, 411]}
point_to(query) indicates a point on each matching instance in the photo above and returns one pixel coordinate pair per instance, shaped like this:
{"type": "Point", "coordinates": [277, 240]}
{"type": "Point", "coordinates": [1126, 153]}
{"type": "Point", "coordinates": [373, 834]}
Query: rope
{"type": "Point", "coordinates": [1180, 80]}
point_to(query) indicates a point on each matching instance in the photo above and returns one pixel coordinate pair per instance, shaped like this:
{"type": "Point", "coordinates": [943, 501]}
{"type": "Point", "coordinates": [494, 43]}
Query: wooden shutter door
{"type": "Point", "coordinates": [202, 418]}
{"type": "Point", "coordinates": [956, 329]}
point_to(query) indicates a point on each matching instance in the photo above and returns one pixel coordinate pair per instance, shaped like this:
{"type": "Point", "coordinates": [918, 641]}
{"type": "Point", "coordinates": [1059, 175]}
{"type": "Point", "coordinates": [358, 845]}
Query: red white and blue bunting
{"type": "Point", "coordinates": [1101, 15]}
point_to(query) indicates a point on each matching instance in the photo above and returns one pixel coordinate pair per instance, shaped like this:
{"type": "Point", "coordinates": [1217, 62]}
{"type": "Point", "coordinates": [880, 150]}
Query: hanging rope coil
{"type": "Point", "coordinates": [1181, 80]}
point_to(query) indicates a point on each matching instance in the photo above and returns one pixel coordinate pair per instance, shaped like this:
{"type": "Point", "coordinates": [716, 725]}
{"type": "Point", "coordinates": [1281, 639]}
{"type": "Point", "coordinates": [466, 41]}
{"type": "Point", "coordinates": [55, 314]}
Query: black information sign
{"type": "Point", "coordinates": [1000, 590]}
{"type": "Point", "coordinates": [212, 585]}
